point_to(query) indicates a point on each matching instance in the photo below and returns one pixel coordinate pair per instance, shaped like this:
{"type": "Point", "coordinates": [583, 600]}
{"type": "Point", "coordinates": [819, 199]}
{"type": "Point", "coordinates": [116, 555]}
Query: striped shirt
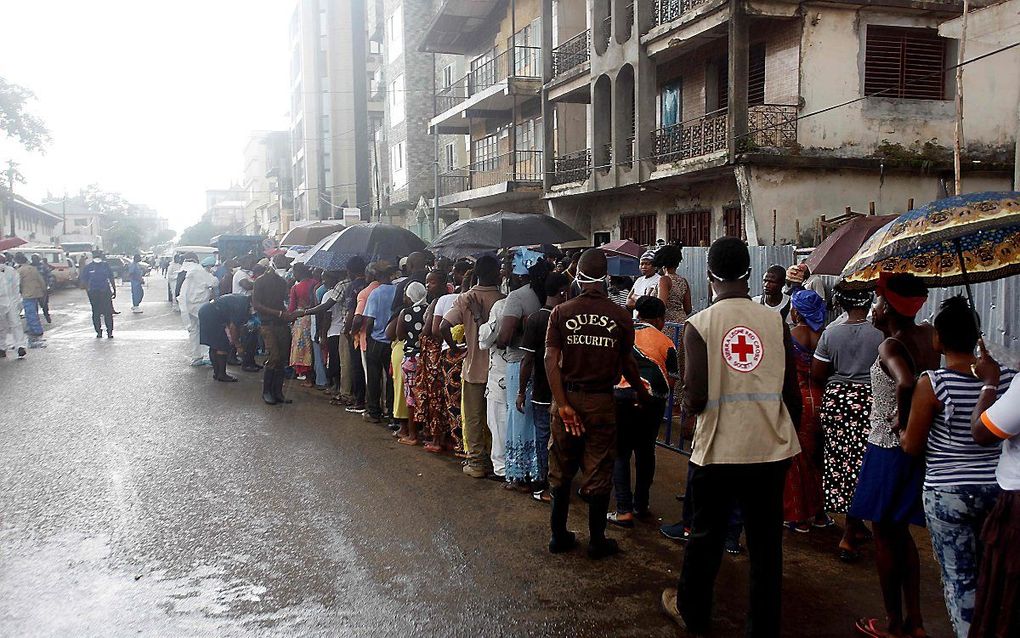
{"type": "Point", "coordinates": [952, 457]}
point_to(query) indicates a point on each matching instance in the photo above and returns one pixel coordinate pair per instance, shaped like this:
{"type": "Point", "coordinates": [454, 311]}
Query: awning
{"type": "Point", "coordinates": [458, 24]}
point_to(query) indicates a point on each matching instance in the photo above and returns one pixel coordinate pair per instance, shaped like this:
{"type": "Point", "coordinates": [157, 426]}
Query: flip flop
{"type": "Point", "coordinates": [867, 626]}
{"type": "Point", "coordinates": [849, 556]}
{"type": "Point", "coordinates": [614, 518]}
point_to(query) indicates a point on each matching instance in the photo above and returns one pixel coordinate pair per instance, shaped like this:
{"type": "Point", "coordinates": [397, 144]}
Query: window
{"type": "Point", "coordinates": [692, 228]}
{"type": "Point", "coordinates": [527, 44]}
{"type": "Point", "coordinates": [483, 71]}
{"type": "Point", "coordinates": [397, 100]}
{"type": "Point", "coordinates": [395, 34]}
{"type": "Point", "coordinates": [398, 167]}
{"type": "Point", "coordinates": [756, 74]}
{"type": "Point", "coordinates": [485, 153]}
{"type": "Point", "coordinates": [81, 222]}
{"type": "Point", "coordinates": [529, 135]}
{"type": "Point", "coordinates": [639, 229]}
{"type": "Point", "coordinates": [374, 48]}
{"type": "Point", "coordinates": [447, 76]}
{"type": "Point", "coordinates": [734, 220]}
{"type": "Point", "coordinates": [907, 63]}
{"type": "Point", "coordinates": [450, 157]}
{"type": "Point", "coordinates": [671, 104]}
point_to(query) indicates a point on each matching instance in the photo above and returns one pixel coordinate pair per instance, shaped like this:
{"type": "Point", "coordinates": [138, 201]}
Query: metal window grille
{"type": "Point", "coordinates": [692, 228]}
{"type": "Point", "coordinates": [734, 221]}
{"type": "Point", "coordinates": [904, 62]}
{"type": "Point", "coordinates": [639, 228]}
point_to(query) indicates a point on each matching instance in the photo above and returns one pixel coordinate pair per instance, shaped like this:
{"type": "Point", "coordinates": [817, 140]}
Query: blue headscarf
{"type": "Point", "coordinates": [524, 259]}
{"type": "Point", "coordinates": [810, 306]}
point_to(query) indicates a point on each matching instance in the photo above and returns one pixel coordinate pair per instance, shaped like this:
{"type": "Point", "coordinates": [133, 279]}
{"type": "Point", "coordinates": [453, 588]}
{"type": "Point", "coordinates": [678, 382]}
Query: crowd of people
{"type": "Point", "coordinates": [552, 378]}
{"type": "Point", "coordinates": [25, 285]}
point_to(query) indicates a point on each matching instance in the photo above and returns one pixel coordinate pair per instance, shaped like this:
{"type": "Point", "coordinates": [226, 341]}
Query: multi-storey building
{"type": "Point", "coordinates": [492, 95]}
{"type": "Point", "coordinates": [756, 117]}
{"type": "Point", "coordinates": [267, 187]}
{"type": "Point", "coordinates": [690, 119]}
{"type": "Point", "coordinates": [330, 109]}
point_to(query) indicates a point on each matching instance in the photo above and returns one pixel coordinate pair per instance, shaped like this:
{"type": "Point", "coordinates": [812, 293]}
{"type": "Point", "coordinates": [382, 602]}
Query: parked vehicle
{"type": "Point", "coordinates": [64, 271]}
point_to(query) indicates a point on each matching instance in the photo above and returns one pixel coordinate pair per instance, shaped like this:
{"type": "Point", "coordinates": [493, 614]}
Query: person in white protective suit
{"type": "Point", "coordinates": [198, 287]}
{"type": "Point", "coordinates": [11, 333]}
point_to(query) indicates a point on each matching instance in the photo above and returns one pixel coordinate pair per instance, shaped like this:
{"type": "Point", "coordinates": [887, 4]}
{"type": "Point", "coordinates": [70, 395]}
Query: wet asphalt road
{"type": "Point", "coordinates": [140, 498]}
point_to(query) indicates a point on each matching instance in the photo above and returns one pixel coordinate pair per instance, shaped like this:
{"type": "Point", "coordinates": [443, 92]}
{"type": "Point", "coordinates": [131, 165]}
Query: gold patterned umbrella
{"type": "Point", "coordinates": [954, 241]}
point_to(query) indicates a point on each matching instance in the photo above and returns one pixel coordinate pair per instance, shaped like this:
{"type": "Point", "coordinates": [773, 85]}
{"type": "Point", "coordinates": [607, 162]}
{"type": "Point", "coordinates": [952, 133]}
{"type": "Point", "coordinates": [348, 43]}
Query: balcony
{"type": "Point", "coordinates": [694, 138]}
{"type": "Point", "coordinates": [572, 167]}
{"type": "Point", "coordinates": [572, 53]}
{"type": "Point", "coordinates": [490, 87]}
{"type": "Point", "coordinates": [769, 125]}
{"type": "Point", "coordinates": [505, 178]}
{"type": "Point", "coordinates": [680, 26]}
{"type": "Point", "coordinates": [667, 11]}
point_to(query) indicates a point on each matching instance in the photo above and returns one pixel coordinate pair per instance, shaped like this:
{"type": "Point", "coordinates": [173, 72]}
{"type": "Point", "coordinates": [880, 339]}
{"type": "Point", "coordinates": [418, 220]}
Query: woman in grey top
{"type": "Point", "coordinates": [842, 362]}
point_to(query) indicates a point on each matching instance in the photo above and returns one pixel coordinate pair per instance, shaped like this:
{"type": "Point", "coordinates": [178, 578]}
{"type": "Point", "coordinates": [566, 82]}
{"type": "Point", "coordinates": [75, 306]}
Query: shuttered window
{"type": "Point", "coordinates": [902, 62]}
{"type": "Point", "coordinates": [639, 229]}
{"type": "Point", "coordinates": [756, 74]}
{"type": "Point", "coordinates": [693, 228]}
{"type": "Point", "coordinates": [734, 220]}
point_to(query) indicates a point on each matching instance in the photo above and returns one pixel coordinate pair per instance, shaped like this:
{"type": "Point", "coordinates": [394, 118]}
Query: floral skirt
{"type": "Point", "coordinates": [845, 420]}
{"type": "Point", "coordinates": [301, 344]}
{"type": "Point", "coordinates": [451, 364]}
{"type": "Point", "coordinates": [410, 368]}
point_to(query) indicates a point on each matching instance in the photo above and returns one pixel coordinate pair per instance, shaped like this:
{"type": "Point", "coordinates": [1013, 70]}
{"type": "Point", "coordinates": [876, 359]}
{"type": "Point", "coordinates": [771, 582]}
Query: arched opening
{"type": "Point", "coordinates": [624, 121]}
{"type": "Point", "coordinates": [602, 17]}
{"type": "Point", "coordinates": [624, 23]}
{"type": "Point", "coordinates": [602, 113]}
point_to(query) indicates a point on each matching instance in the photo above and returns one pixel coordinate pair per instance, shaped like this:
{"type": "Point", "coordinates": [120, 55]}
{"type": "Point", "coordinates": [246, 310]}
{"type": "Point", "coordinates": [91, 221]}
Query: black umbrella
{"type": "Point", "coordinates": [310, 234]}
{"type": "Point", "coordinates": [371, 241]}
{"type": "Point", "coordinates": [501, 230]}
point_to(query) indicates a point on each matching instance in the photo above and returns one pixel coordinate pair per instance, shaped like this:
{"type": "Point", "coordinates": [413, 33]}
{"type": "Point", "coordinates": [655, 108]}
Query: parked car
{"type": "Point", "coordinates": [64, 272]}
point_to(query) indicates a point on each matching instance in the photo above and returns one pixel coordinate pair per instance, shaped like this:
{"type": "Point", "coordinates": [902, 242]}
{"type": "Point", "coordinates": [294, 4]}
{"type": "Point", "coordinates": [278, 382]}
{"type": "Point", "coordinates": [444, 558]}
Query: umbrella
{"type": "Point", "coordinates": [830, 257]}
{"type": "Point", "coordinates": [619, 266]}
{"type": "Point", "coordinates": [501, 230]}
{"type": "Point", "coordinates": [295, 251]}
{"type": "Point", "coordinates": [311, 233]}
{"type": "Point", "coordinates": [11, 242]}
{"type": "Point", "coordinates": [371, 241]}
{"type": "Point", "coordinates": [954, 241]}
{"type": "Point", "coordinates": [624, 247]}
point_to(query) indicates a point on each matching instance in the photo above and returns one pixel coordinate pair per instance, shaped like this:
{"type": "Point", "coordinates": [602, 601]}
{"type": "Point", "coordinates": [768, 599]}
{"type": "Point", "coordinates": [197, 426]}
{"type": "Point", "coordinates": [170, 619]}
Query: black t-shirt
{"type": "Point", "coordinates": [534, 342]}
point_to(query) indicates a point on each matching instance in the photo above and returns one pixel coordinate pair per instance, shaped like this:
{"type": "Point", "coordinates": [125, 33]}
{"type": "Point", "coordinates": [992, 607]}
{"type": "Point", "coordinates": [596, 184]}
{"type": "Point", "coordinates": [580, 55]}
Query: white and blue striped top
{"type": "Point", "coordinates": [952, 457]}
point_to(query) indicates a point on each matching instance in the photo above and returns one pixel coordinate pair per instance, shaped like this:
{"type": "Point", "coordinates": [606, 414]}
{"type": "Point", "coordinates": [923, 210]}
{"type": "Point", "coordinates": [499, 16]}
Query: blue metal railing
{"type": "Point", "coordinates": [672, 438]}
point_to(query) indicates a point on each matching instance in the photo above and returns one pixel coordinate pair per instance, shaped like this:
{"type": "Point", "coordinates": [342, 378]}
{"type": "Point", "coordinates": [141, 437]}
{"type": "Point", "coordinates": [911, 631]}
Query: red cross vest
{"type": "Point", "coordinates": [745, 419]}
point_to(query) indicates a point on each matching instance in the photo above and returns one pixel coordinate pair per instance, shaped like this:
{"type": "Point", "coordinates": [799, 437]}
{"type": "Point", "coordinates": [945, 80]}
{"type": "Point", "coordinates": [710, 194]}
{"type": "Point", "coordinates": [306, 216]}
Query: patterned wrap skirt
{"type": "Point", "coordinates": [301, 344]}
{"type": "Point", "coordinates": [845, 414]}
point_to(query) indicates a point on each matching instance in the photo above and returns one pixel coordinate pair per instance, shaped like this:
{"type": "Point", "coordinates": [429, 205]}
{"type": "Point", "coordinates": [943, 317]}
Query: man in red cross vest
{"type": "Point", "coordinates": [741, 382]}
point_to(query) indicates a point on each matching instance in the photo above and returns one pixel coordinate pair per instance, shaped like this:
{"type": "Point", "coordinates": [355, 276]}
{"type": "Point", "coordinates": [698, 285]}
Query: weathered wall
{"type": "Point", "coordinates": [832, 69]}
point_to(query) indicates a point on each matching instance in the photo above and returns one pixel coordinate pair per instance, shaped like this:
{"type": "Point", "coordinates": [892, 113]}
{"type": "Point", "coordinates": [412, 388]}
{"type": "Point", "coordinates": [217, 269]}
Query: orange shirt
{"type": "Point", "coordinates": [361, 338]}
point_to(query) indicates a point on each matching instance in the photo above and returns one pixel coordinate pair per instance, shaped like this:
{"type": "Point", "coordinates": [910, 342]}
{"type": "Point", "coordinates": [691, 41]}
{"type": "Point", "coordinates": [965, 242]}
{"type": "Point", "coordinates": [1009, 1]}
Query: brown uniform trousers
{"type": "Point", "coordinates": [592, 453]}
{"type": "Point", "coordinates": [276, 336]}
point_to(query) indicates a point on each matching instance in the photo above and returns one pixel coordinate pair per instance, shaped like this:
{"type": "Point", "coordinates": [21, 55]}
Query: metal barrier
{"type": "Point", "coordinates": [673, 438]}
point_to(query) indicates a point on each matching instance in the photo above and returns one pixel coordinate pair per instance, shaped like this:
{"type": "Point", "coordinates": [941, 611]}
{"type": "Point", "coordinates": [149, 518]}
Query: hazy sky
{"type": "Point", "coordinates": [151, 99]}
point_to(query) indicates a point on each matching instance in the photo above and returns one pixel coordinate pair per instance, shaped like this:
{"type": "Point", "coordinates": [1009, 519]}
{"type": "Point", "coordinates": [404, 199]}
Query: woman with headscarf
{"type": "Point", "coordinates": [889, 487]}
{"type": "Point", "coordinates": [410, 324]}
{"type": "Point", "coordinates": [842, 363]}
{"type": "Point", "coordinates": [802, 498]}
{"type": "Point", "coordinates": [650, 283]}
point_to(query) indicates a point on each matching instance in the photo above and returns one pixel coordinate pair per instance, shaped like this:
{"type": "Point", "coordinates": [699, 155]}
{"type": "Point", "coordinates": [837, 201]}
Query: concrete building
{"type": "Point", "coordinates": [491, 93]}
{"type": "Point", "coordinates": [80, 227]}
{"type": "Point", "coordinates": [690, 119]}
{"type": "Point", "coordinates": [267, 186]}
{"type": "Point", "coordinates": [35, 224]}
{"type": "Point", "coordinates": [331, 149]}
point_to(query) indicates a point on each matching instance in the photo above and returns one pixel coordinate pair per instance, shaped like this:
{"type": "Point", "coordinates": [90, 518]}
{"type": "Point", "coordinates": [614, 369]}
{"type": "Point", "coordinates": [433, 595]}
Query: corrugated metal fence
{"type": "Point", "coordinates": [694, 268]}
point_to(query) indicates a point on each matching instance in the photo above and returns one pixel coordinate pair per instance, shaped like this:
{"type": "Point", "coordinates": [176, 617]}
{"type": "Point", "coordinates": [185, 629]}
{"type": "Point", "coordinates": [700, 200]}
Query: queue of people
{"type": "Point", "coordinates": [550, 378]}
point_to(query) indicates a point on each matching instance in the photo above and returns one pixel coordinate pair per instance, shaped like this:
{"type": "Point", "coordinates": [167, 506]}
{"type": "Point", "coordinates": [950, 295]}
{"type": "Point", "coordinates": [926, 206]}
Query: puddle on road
{"type": "Point", "coordinates": [124, 335]}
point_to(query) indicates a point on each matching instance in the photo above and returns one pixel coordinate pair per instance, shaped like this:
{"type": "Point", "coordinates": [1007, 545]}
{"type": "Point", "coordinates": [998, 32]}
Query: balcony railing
{"type": "Point", "coordinates": [772, 125]}
{"type": "Point", "coordinates": [572, 167]}
{"type": "Point", "coordinates": [520, 166]}
{"type": "Point", "coordinates": [572, 53]}
{"type": "Point", "coordinates": [667, 11]}
{"type": "Point", "coordinates": [516, 62]}
{"type": "Point", "coordinates": [695, 138]}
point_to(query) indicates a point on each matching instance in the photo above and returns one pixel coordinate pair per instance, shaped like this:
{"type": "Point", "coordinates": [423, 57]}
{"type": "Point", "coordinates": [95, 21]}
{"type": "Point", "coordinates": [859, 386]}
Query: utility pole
{"type": "Point", "coordinates": [12, 176]}
{"type": "Point", "coordinates": [435, 168]}
{"type": "Point", "coordinates": [958, 132]}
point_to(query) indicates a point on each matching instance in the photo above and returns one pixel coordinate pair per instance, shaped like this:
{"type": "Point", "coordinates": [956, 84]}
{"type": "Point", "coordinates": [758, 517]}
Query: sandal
{"type": "Point", "coordinates": [849, 556]}
{"type": "Point", "coordinates": [869, 627]}
{"type": "Point", "coordinates": [614, 518]}
{"type": "Point", "coordinates": [407, 441]}
{"type": "Point", "coordinates": [542, 497]}
{"type": "Point", "coordinates": [432, 447]}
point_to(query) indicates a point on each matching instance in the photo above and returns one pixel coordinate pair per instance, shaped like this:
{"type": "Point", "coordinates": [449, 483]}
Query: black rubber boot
{"type": "Point", "coordinates": [598, 545]}
{"type": "Point", "coordinates": [562, 539]}
{"type": "Point", "coordinates": [268, 379]}
{"type": "Point", "coordinates": [220, 366]}
{"type": "Point", "coordinates": [279, 377]}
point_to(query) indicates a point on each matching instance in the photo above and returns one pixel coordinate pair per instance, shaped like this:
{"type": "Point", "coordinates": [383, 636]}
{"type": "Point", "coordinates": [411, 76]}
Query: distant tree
{"type": "Point", "coordinates": [198, 235]}
{"type": "Point", "coordinates": [164, 236]}
{"type": "Point", "coordinates": [124, 237]}
{"type": "Point", "coordinates": [26, 128]}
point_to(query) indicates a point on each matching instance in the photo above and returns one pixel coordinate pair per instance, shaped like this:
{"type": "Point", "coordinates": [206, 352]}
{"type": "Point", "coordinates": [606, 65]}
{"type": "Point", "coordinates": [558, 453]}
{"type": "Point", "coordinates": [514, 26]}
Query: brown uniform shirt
{"type": "Point", "coordinates": [476, 365]}
{"type": "Point", "coordinates": [270, 291]}
{"type": "Point", "coordinates": [593, 335]}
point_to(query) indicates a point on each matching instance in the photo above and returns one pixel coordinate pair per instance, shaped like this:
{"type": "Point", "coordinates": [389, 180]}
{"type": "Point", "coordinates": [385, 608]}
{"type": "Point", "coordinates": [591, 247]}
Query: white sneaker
{"type": "Point", "coordinates": [136, 310]}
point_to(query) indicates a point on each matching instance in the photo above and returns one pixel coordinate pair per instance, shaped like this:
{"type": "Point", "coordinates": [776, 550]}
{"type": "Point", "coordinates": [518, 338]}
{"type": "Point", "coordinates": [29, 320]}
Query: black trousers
{"type": "Point", "coordinates": [757, 488]}
{"type": "Point", "coordinates": [102, 309]}
{"type": "Point", "coordinates": [379, 391]}
{"type": "Point", "coordinates": [250, 341]}
{"type": "Point", "coordinates": [357, 373]}
{"type": "Point", "coordinates": [333, 360]}
{"type": "Point", "coordinates": [637, 427]}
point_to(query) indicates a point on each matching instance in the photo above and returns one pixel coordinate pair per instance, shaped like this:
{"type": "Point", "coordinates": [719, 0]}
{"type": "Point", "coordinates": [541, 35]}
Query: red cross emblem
{"type": "Point", "coordinates": [742, 349]}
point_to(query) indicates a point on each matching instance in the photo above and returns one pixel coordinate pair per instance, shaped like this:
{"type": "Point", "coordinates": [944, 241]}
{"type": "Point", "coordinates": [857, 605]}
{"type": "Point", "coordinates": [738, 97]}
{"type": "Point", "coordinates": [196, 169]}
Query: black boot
{"type": "Point", "coordinates": [562, 539]}
{"type": "Point", "coordinates": [278, 379]}
{"type": "Point", "coordinates": [220, 369]}
{"type": "Point", "coordinates": [268, 379]}
{"type": "Point", "coordinates": [598, 545]}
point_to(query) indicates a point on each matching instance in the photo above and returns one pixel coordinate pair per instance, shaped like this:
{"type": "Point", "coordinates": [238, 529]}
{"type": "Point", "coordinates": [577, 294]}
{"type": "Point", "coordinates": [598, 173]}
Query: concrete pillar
{"type": "Point", "coordinates": [736, 116]}
{"type": "Point", "coordinates": [548, 108]}
{"type": "Point", "coordinates": [645, 89]}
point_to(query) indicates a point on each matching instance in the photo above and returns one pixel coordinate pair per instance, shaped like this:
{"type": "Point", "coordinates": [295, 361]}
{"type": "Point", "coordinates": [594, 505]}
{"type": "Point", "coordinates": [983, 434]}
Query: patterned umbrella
{"type": "Point", "coordinates": [954, 241]}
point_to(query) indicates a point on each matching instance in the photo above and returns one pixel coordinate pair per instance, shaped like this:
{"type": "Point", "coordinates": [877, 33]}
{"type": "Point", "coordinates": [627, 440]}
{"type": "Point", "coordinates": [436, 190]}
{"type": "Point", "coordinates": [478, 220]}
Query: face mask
{"type": "Point", "coordinates": [97, 260]}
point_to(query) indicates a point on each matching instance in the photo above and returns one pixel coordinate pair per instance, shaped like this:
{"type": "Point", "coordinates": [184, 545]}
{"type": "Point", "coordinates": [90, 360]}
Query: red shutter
{"type": "Point", "coordinates": [734, 222]}
{"type": "Point", "coordinates": [690, 229]}
{"type": "Point", "coordinates": [639, 229]}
